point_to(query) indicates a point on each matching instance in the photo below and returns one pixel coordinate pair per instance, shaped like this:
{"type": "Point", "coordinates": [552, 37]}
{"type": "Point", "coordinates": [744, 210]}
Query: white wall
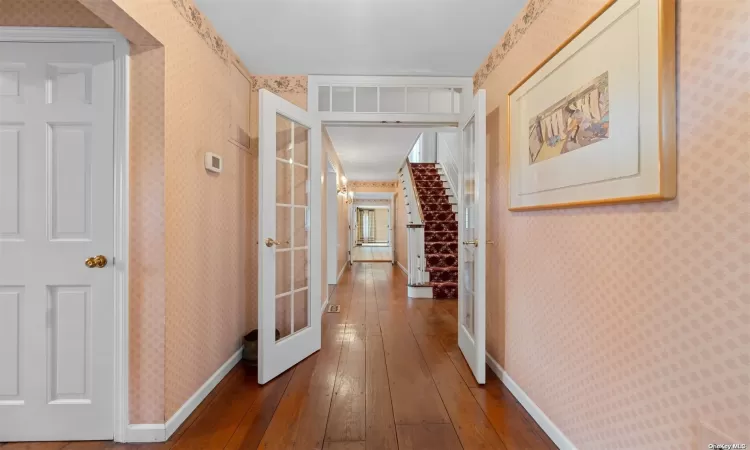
{"type": "Point", "coordinates": [449, 156]}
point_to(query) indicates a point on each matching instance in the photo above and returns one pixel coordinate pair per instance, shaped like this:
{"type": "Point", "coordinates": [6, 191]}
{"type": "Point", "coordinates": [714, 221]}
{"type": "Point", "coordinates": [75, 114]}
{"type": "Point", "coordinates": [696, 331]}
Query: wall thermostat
{"type": "Point", "coordinates": [213, 162]}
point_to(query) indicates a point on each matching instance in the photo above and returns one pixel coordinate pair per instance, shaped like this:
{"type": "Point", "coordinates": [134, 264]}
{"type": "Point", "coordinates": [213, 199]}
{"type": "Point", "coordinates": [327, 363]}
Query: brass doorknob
{"type": "Point", "coordinates": [270, 242]}
{"type": "Point", "coordinates": [475, 243]}
{"type": "Point", "coordinates": [98, 261]}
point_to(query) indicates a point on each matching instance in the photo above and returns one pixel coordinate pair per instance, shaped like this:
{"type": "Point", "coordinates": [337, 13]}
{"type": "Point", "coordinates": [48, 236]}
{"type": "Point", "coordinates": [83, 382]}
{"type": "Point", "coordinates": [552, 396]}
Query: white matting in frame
{"type": "Point", "coordinates": [595, 122]}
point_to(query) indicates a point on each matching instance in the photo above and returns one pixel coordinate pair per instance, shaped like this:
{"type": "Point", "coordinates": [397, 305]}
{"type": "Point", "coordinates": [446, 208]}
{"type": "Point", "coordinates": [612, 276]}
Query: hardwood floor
{"type": "Point", "coordinates": [389, 376]}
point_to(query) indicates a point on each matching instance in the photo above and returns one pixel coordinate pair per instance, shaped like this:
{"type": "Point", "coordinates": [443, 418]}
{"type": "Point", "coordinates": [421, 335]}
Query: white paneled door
{"type": "Point", "coordinates": [472, 233]}
{"type": "Point", "coordinates": [56, 241]}
{"type": "Point", "coordinates": [290, 229]}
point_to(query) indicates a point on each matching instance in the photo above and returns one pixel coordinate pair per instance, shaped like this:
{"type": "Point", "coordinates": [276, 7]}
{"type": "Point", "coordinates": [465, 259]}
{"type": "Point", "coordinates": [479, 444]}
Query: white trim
{"type": "Point", "coordinates": [160, 432]}
{"type": "Point", "coordinates": [121, 61]}
{"type": "Point", "coordinates": [122, 237]}
{"type": "Point", "coordinates": [402, 118]}
{"type": "Point", "coordinates": [392, 227]}
{"type": "Point", "coordinates": [403, 268]}
{"type": "Point", "coordinates": [150, 432]}
{"type": "Point", "coordinates": [324, 306]}
{"type": "Point", "coordinates": [52, 34]}
{"type": "Point", "coordinates": [189, 406]}
{"type": "Point", "coordinates": [419, 292]}
{"type": "Point", "coordinates": [528, 404]}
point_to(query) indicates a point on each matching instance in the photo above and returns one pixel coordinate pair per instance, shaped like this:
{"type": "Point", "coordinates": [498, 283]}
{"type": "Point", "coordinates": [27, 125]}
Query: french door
{"type": "Point", "coordinates": [472, 234]}
{"type": "Point", "coordinates": [289, 302]}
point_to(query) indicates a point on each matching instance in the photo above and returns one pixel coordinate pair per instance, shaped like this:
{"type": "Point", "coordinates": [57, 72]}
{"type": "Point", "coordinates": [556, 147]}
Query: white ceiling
{"type": "Point", "coordinates": [372, 153]}
{"type": "Point", "coordinates": [362, 37]}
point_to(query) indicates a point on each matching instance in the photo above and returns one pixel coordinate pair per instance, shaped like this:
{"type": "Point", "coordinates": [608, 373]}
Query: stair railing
{"type": "Point", "coordinates": [417, 275]}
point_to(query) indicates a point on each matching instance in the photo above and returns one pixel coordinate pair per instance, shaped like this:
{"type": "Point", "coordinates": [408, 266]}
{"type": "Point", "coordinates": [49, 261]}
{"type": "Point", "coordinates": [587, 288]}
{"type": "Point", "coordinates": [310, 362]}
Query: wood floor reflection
{"type": "Point", "coordinates": [389, 376]}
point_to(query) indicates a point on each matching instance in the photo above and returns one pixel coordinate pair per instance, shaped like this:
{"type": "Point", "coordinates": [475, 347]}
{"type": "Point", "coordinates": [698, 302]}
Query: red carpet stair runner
{"type": "Point", "coordinates": [440, 230]}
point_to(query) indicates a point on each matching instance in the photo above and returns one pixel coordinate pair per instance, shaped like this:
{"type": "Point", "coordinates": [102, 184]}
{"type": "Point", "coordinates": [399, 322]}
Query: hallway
{"type": "Point", "coordinates": [389, 375]}
{"type": "Point", "coordinates": [371, 253]}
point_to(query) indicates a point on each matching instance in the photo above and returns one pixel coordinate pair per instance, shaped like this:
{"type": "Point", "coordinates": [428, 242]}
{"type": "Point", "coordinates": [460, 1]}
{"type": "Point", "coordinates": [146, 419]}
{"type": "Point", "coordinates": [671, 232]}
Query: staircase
{"type": "Point", "coordinates": [440, 228]}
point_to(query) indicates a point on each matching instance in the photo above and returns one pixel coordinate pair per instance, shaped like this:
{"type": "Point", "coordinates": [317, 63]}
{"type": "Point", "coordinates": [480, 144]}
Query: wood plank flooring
{"type": "Point", "coordinates": [389, 376]}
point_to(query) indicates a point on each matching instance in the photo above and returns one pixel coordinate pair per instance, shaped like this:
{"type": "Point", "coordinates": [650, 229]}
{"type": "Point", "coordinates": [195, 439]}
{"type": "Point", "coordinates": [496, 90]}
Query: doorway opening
{"type": "Point", "coordinates": [372, 234]}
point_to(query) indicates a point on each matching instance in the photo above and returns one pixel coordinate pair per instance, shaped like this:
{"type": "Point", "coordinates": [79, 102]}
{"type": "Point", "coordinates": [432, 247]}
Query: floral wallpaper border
{"type": "Point", "coordinates": [203, 27]}
{"type": "Point", "coordinates": [281, 84]}
{"type": "Point", "coordinates": [531, 12]}
{"type": "Point", "coordinates": [374, 184]}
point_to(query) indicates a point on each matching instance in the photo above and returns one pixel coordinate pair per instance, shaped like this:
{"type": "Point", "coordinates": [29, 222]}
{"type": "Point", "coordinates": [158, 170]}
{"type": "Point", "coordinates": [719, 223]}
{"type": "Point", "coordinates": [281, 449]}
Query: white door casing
{"type": "Point", "coordinates": [472, 236]}
{"type": "Point", "coordinates": [289, 240]}
{"type": "Point", "coordinates": [56, 211]}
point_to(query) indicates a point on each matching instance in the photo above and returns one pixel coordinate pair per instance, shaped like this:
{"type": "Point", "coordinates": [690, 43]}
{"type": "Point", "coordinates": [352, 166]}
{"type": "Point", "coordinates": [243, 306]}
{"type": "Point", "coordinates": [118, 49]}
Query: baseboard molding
{"type": "Point", "coordinates": [528, 404]}
{"type": "Point", "coordinates": [186, 409]}
{"type": "Point", "coordinates": [419, 291]}
{"type": "Point", "coordinates": [160, 432]}
{"type": "Point", "coordinates": [403, 268]}
{"type": "Point", "coordinates": [341, 273]}
{"type": "Point", "coordinates": [148, 432]}
{"type": "Point", "coordinates": [323, 308]}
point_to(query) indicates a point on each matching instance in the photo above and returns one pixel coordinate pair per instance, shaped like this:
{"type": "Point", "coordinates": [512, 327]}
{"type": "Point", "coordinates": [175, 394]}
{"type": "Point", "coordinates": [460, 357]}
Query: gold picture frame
{"type": "Point", "coordinates": [667, 119]}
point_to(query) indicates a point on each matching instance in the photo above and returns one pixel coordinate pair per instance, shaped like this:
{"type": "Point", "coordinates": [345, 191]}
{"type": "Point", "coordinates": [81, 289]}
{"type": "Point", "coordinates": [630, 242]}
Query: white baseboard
{"type": "Point", "coordinates": [160, 432]}
{"type": "Point", "coordinates": [147, 432]}
{"type": "Point", "coordinates": [419, 291]}
{"type": "Point", "coordinates": [341, 273]}
{"type": "Point", "coordinates": [189, 406]}
{"type": "Point", "coordinates": [528, 404]}
{"type": "Point", "coordinates": [403, 268]}
{"type": "Point", "coordinates": [323, 308]}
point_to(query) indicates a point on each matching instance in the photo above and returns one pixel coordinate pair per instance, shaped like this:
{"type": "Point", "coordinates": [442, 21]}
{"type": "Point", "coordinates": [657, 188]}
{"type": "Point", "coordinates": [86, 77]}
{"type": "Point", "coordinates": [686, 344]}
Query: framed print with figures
{"type": "Point", "coordinates": [595, 122]}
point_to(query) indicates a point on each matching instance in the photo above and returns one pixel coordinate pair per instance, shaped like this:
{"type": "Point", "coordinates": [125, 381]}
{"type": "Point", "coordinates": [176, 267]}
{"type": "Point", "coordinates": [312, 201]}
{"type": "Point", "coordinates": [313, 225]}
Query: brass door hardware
{"type": "Point", "coordinates": [270, 242]}
{"type": "Point", "coordinates": [98, 261]}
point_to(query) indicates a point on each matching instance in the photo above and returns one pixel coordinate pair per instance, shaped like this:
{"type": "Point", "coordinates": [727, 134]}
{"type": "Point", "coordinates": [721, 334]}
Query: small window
{"type": "Point", "coordinates": [343, 99]}
{"type": "Point", "coordinates": [324, 98]}
{"type": "Point", "coordinates": [392, 99]}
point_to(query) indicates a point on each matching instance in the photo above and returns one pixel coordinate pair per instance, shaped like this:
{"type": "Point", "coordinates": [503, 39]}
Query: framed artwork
{"type": "Point", "coordinates": [595, 122]}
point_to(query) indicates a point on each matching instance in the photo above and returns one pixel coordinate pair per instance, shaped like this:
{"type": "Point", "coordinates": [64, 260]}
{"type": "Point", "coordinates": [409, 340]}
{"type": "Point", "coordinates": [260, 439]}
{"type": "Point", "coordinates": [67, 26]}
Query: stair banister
{"type": "Point", "coordinates": [416, 273]}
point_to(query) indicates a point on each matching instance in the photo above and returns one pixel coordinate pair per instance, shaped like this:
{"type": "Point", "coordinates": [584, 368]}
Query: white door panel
{"type": "Point", "coordinates": [290, 229]}
{"type": "Point", "coordinates": [472, 234]}
{"type": "Point", "coordinates": [56, 211]}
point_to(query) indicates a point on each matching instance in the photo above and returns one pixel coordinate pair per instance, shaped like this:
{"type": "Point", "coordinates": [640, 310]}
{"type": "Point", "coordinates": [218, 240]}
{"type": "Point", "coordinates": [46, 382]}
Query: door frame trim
{"type": "Point", "coordinates": [121, 59]}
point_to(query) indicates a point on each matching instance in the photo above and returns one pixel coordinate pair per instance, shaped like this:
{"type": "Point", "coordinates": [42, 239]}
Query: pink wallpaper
{"type": "Point", "coordinates": [629, 326]}
{"type": "Point", "coordinates": [342, 207]}
{"type": "Point", "coordinates": [47, 13]}
{"type": "Point", "coordinates": [147, 235]}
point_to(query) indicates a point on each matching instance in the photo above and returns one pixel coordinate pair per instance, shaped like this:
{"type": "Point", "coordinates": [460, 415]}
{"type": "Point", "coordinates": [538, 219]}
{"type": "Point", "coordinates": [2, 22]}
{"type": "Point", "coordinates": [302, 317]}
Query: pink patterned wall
{"type": "Point", "coordinates": [629, 326]}
{"type": "Point", "coordinates": [47, 13]}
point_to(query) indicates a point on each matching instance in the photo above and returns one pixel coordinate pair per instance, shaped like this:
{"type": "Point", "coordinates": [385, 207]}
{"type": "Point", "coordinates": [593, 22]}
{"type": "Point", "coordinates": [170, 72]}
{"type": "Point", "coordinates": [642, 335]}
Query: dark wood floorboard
{"type": "Point", "coordinates": [389, 376]}
{"type": "Point", "coordinates": [428, 436]}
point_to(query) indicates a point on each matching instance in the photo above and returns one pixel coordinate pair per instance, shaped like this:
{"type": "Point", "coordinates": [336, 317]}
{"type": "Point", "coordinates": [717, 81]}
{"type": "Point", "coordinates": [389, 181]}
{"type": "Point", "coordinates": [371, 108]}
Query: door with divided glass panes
{"type": "Point", "coordinates": [289, 293]}
{"type": "Point", "coordinates": [472, 233]}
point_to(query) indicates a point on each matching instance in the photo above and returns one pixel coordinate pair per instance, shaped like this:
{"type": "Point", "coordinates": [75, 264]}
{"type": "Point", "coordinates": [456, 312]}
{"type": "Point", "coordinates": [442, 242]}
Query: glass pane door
{"type": "Point", "coordinates": [292, 227]}
{"type": "Point", "coordinates": [472, 232]}
{"type": "Point", "coordinates": [469, 228]}
{"type": "Point", "coordinates": [289, 286]}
